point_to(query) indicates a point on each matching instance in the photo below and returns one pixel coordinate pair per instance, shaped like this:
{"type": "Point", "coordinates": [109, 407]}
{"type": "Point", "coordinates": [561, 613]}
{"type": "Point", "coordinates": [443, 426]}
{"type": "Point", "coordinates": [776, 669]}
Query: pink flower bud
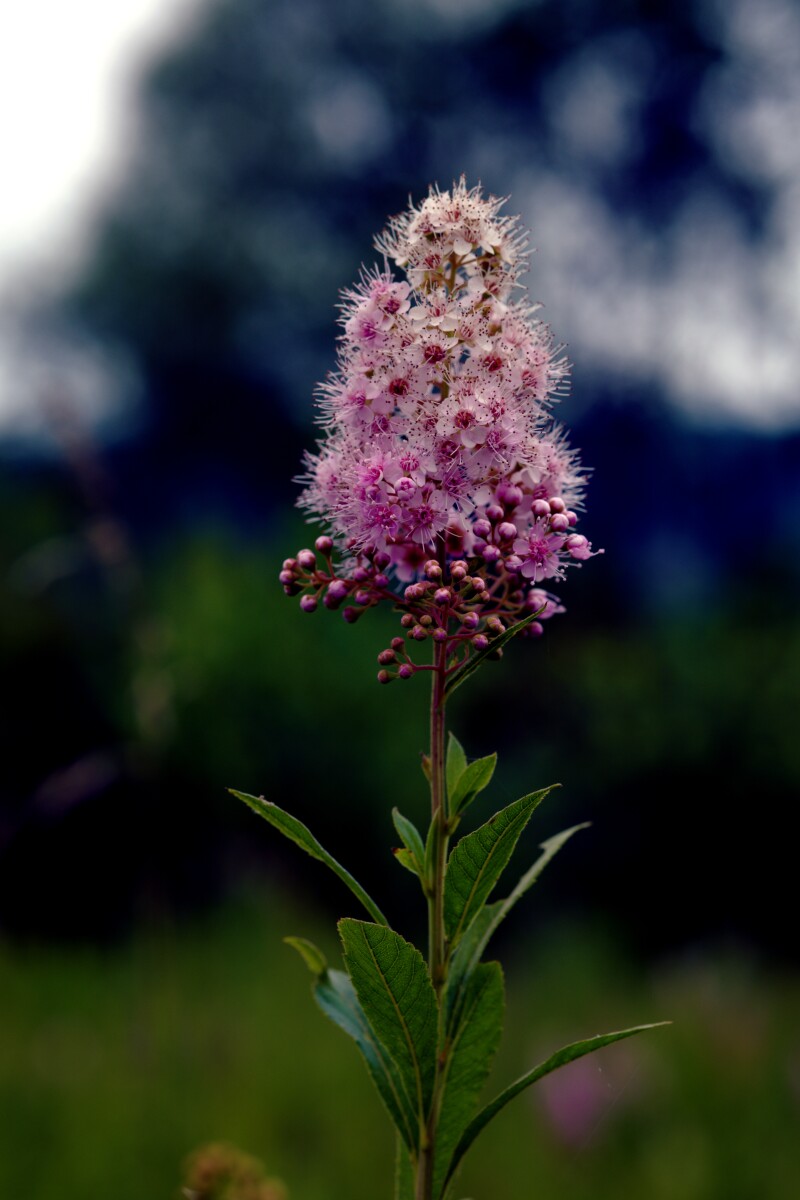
{"type": "Point", "coordinates": [510, 494]}
{"type": "Point", "coordinates": [482, 528]}
{"type": "Point", "coordinates": [432, 569]}
{"type": "Point", "coordinates": [406, 620]}
{"type": "Point", "coordinates": [439, 635]}
{"type": "Point", "coordinates": [540, 508]}
{"type": "Point", "coordinates": [458, 572]}
{"type": "Point", "coordinates": [381, 559]}
{"type": "Point", "coordinates": [512, 564]}
{"type": "Point", "coordinates": [306, 559]}
{"type": "Point", "coordinates": [405, 671]}
{"type": "Point", "coordinates": [324, 544]}
{"type": "Point", "coordinates": [572, 517]}
{"type": "Point", "coordinates": [308, 603]}
{"type": "Point", "coordinates": [397, 643]}
{"type": "Point", "coordinates": [387, 656]}
{"type": "Point", "coordinates": [441, 596]}
{"type": "Point", "coordinates": [381, 581]}
{"type": "Point", "coordinates": [506, 531]}
{"type": "Point", "coordinates": [337, 590]}
{"type": "Point", "coordinates": [559, 523]}
{"type": "Point", "coordinates": [287, 578]}
{"type": "Point", "coordinates": [384, 677]}
{"type": "Point", "coordinates": [491, 554]}
{"type": "Point", "coordinates": [557, 505]}
{"type": "Point", "coordinates": [480, 641]}
{"type": "Point", "coordinates": [535, 629]}
{"type": "Point", "coordinates": [289, 564]}
{"type": "Point", "coordinates": [419, 633]}
{"type": "Point", "coordinates": [477, 583]}
{"type": "Point", "coordinates": [578, 546]}
{"type": "Point", "coordinates": [495, 512]}
{"type": "Point", "coordinates": [351, 615]}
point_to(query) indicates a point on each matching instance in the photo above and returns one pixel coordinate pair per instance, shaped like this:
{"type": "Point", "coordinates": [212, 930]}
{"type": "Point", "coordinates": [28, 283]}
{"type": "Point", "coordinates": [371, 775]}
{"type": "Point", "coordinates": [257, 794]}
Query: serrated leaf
{"type": "Point", "coordinates": [472, 1048]}
{"type": "Point", "coordinates": [409, 836]}
{"type": "Point", "coordinates": [311, 955]}
{"type": "Point", "coordinates": [298, 833]}
{"type": "Point", "coordinates": [478, 861]}
{"type": "Point", "coordinates": [472, 781]}
{"type": "Point", "coordinates": [455, 764]}
{"type": "Point", "coordinates": [403, 1173]}
{"type": "Point", "coordinates": [566, 1055]}
{"type": "Point", "coordinates": [477, 657]}
{"type": "Point", "coordinates": [336, 996]}
{"type": "Point", "coordinates": [474, 942]}
{"type": "Point", "coordinates": [393, 985]}
{"type": "Point", "coordinates": [406, 860]}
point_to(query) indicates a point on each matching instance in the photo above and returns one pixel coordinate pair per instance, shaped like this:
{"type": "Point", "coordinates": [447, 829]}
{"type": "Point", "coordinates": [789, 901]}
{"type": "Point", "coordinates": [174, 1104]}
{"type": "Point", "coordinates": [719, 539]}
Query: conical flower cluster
{"type": "Point", "coordinates": [440, 450]}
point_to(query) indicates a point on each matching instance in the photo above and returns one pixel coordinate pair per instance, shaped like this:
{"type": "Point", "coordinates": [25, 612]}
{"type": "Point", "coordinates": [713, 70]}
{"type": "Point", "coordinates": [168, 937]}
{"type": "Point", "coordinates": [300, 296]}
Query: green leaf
{"type": "Point", "coordinates": [335, 995]}
{"type": "Point", "coordinates": [407, 860]}
{"type": "Point", "coordinates": [477, 657]}
{"type": "Point", "coordinates": [297, 832]}
{"type": "Point", "coordinates": [550, 848]}
{"type": "Point", "coordinates": [410, 837]}
{"type": "Point", "coordinates": [470, 1052]}
{"type": "Point", "coordinates": [403, 1173]}
{"type": "Point", "coordinates": [478, 861]}
{"type": "Point", "coordinates": [311, 955]}
{"type": "Point", "coordinates": [472, 945]}
{"type": "Point", "coordinates": [397, 996]}
{"type": "Point", "coordinates": [472, 780]}
{"type": "Point", "coordinates": [456, 762]}
{"type": "Point", "coordinates": [566, 1055]}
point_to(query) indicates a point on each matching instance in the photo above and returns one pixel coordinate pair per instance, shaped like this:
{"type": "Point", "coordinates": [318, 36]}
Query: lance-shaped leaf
{"type": "Point", "coordinates": [474, 942]}
{"type": "Point", "coordinates": [477, 657]}
{"type": "Point", "coordinates": [406, 860]}
{"type": "Point", "coordinates": [456, 762]}
{"type": "Point", "coordinates": [335, 995]}
{"type": "Point", "coordinates": [472, 781]}
{"type": "Point", "coordinates": [469, 1054]}
{"type": "Point", "coordinates": [298, 833]}
{"type": "Point", "coordinates": [397, 996]}
{"type": "Point", "coordinates": [411, 839]}
{"type": "Point", "coordinates": [566, 1055]}
{"type": "Point", "coordinates": [478, 861]}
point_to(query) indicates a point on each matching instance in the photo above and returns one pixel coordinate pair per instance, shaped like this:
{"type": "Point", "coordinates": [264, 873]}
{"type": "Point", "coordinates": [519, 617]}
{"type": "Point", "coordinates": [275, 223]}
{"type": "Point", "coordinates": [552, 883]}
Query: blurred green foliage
{"type": "Point", "coordinates": [115, 1065]}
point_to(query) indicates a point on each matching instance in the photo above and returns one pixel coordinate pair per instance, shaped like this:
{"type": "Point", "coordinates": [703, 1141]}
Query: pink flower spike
{"type": "Point", "coordinates": [440, 463]}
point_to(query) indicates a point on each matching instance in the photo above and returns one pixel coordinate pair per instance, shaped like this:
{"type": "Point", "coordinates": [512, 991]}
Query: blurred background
{"type": "Point", "coordinates": [187, 186]}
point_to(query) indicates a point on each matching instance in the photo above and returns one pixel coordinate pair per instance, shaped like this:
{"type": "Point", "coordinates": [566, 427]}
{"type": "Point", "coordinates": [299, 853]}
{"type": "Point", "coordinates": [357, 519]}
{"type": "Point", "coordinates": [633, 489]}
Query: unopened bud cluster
{"type": "Point", "coordinates": [447, 488]}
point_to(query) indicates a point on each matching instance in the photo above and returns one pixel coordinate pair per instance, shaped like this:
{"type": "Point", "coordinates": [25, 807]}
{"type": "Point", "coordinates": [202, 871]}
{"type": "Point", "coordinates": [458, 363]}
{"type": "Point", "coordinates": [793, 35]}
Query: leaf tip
{"type": "Point", "coordinates": [311, 955]}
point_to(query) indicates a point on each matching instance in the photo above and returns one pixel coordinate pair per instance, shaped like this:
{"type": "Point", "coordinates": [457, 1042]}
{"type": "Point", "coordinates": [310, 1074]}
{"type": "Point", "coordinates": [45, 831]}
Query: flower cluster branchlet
{"type": "Point", "coordinates": [448, 489]}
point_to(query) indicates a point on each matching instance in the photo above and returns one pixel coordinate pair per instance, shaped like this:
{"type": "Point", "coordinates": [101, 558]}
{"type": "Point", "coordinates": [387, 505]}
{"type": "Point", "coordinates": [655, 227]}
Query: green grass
{"type": "Point", "coordinates": [114, 1065]}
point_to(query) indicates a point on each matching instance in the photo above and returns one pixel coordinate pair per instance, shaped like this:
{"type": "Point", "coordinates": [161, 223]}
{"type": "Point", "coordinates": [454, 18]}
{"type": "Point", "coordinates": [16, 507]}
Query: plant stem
{"type": "Point", "coordinates": [437, 946]}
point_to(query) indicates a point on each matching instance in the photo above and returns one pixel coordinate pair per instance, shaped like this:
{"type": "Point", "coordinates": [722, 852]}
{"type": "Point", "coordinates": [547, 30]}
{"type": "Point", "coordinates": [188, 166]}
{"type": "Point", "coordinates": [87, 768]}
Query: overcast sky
{"type": "Point", "coordinates": [65, 112]}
